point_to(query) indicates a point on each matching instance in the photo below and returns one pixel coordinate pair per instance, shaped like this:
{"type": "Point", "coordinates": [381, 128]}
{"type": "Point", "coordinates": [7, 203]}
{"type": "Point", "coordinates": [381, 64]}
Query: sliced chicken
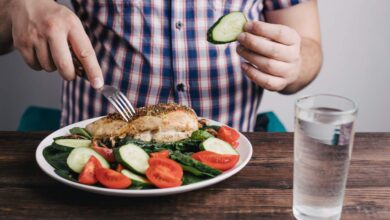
{"type": "Point", "coordinates": [160, 123]}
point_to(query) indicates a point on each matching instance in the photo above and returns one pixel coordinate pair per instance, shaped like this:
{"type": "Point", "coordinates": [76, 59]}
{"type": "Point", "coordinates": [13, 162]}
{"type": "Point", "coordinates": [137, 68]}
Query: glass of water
{"type": "Point", "coordinates": [323, 141]}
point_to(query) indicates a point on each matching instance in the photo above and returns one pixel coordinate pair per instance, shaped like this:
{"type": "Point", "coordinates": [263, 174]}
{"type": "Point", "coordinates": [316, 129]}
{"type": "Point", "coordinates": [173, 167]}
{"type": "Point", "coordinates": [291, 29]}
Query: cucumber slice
{"type": "Point", "coordinates": [132, 157]}
{"type": "Point", "coordinates": [227, 28]}
{"type": "Point", "coordinates": [70, 144]}
{"type": "Point", "coordinates": [218, 146]}
{"type": "Point", "coordinates": [80, 131]}
{"type": "Point", "coordinates": [80, 156]}
{"type": "Point", "coordinates": [136, 179]}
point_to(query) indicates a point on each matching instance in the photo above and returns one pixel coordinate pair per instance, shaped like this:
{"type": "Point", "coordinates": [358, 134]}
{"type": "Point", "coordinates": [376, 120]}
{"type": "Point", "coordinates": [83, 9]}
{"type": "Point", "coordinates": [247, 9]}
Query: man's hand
{"type": "Point", "coordinates": [273, 52]}
{"type": "Point", "coordinates": [43, 30]}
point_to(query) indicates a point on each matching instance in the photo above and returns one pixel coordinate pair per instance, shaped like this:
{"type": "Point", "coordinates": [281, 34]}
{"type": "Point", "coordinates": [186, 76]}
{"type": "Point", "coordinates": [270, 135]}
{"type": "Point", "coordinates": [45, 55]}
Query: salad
{"type": "Point", "coordinates": [128, 163]}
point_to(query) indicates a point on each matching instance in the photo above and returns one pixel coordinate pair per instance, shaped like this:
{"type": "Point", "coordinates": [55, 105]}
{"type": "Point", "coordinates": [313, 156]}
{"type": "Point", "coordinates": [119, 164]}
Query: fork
{"type": "Point", "coordinates": [113, 94]}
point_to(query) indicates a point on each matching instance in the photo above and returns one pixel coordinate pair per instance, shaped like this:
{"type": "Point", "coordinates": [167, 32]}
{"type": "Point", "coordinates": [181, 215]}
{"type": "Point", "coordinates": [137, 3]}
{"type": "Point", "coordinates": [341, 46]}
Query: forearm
{"type": "Point", "coordinates": [5, 27]}
{"type": "Point", "coordinates": [311, 61]}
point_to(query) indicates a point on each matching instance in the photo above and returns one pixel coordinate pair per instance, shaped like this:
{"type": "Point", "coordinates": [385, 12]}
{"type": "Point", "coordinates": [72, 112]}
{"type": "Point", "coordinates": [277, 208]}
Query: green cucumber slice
{"type": "Point", "coordinates": [80, 156]}
{"type": "Point", "coordinates": [227, 28]}
{"type": "Point", "coordinates": [136, 179]}
{"type": "Point", "coordinates": [132, 157]}
{"type": "Point", "coordinates": [218, 146]}
{"type": "Point", "coordinates": [70, 144]}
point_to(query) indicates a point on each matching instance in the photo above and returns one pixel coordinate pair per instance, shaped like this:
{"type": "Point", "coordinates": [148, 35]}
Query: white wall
{"type": "Point", "coordinates": [356, 43]}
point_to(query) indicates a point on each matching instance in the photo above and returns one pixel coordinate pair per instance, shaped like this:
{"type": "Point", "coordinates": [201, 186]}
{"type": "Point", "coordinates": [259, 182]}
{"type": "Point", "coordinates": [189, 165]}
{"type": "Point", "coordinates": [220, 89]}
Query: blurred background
{"type": "Point", "coordinates": [355, 37]}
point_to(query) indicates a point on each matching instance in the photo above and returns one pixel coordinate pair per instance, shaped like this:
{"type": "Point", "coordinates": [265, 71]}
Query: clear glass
{"type": "Point", "coordinates": [323, 142]}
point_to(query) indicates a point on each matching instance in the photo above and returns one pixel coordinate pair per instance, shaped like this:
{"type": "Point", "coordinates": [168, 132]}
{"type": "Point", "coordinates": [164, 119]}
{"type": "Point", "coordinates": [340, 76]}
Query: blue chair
{"type": "Point", "coordinates": [37, 118]}
{"type": "Point", "coordinates": [269, 122]}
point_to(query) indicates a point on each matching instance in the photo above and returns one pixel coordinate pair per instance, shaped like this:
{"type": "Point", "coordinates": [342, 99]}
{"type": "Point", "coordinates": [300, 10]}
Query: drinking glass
{"type": "Point", "coordinates": [323, 142]}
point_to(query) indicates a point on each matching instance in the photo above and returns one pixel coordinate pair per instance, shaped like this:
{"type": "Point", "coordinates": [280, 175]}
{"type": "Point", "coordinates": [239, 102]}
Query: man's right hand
{"type": "Point", "coordinates": [43, 30]}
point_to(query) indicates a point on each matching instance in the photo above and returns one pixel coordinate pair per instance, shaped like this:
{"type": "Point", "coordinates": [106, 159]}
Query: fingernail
{"type": "Point", "coordinates": [248, 26]}
{"type": "Point", "coordinates": [97, 82]}
{"type": "Point", "coordinates": [244, 66]}
{"type": "Point", "coordinates": [241, 37]}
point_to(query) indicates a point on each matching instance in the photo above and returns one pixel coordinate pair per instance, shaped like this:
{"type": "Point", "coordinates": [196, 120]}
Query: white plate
{"type": "Point", "coordinates": [245, 150]}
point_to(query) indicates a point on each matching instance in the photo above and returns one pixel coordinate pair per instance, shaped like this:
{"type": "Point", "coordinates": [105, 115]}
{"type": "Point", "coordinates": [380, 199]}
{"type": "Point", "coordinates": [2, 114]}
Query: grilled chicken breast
{"type": "Point", "coordinates": [165, 122]}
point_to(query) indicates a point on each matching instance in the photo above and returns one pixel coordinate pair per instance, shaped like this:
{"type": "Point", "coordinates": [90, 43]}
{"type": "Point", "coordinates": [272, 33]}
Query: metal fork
{"type": "Point", "coordinates": [113, 94]}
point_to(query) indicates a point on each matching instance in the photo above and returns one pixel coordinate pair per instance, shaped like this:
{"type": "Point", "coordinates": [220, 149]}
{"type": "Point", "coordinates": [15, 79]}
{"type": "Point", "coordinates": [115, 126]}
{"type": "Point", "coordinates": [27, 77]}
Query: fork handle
{"type": "Point", "coordinates": [78, 67]}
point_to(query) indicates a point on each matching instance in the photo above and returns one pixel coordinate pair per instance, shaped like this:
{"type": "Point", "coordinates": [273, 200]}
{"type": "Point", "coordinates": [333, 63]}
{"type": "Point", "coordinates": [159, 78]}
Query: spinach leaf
{"type": "Point", "coordinates": [186, 145]}
{"type": "Point", "coordinates": [81, 131]}
{"type": "Point", "coordinates": [189, 179]}
{"type": "Point", "coordinates": [56, 158]}
{"type": "Point", "coordinates": [200, 135]}
{"type": "Point", "coordinates": [215, 127]}
{"type": "Point", "coordinates": [67, 174]}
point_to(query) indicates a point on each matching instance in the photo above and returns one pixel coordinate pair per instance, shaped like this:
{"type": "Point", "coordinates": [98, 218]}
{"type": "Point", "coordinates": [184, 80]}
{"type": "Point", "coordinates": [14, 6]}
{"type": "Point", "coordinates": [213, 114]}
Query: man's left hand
{"type": "Point", "coordinates": [274, 54]}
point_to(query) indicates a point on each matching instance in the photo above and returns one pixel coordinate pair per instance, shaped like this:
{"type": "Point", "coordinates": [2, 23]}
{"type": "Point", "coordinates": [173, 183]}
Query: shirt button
{"type": "Point", "coordinates": [179, 25]}
{"type": "Point", "coordinates": [180, 87]}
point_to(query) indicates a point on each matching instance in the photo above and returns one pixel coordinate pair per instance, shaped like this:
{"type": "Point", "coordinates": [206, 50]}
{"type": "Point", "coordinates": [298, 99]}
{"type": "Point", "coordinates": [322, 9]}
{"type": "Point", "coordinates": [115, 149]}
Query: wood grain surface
{"type": "Point", "coordinates": [262, 190]}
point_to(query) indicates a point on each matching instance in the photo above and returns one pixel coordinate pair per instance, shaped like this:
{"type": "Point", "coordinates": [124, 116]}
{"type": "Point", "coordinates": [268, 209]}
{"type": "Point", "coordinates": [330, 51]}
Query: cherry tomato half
{"type": "Point", "coordinates": [104, 151]}
{"type": "Point", "coordinates": [228, 134]}
{"type": "Point", "coordinates": [112, 179]}
{"type": "Point", "coordinates": [164, 172]}
{"type": "Point", "coordinates": [163, 153]}
{"type": "Point", "coordinates": [87, 175]}
{"type": "Point", "coordinates": [221, 162]}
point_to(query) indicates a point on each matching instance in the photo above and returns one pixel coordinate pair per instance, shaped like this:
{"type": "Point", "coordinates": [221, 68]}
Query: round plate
{"type": "Point", "coordinates": [245, 150]}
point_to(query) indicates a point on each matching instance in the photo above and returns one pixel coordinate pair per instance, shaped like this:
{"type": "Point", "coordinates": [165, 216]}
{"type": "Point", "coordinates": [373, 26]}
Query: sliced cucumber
{"type": "Point", "coordinates": [136, 179]}
{"type": "Point", "coordinates": [227, 28]}
{"type": "Point", "coordinates": [80, 131]}
{"type": "Point", "coordinates": [70, 144]}
{"type": "Point", "coordinates": [132, 157]}
{"type": "Point", "coordinates": [218, 146]}
{"type": "Point", "coordinates": [80, 156]}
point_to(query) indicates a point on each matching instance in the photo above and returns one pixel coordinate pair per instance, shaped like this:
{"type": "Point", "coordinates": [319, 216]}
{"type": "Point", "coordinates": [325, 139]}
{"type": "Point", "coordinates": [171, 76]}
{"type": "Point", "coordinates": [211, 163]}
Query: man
{"type": "Point", "coordinates": [156, 51]}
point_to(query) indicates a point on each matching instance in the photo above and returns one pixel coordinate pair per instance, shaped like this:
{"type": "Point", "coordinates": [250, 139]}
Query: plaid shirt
{"type": "Point", "coordinates": [156, 51]}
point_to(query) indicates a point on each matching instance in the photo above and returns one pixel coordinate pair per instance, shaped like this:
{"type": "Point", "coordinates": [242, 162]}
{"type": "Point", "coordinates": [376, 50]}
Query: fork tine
{"type": "Point", "coordinates": [118, 108]}
{"type": "Point", "coordinates": [127, 102]}
{"type": "Point", "coordinates": [122, 107]}
{"type": "Point", "coordinates": [122, 99]}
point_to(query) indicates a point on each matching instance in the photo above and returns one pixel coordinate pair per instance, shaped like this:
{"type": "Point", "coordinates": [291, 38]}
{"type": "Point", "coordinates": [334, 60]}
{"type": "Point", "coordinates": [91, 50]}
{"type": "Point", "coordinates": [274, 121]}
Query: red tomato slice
{"type": "Point", "coordinates": [196, 156]}
{"type": "Point", "coordinates": [87, 175]}
{"type": "Point", "coordinates": [119, 168]}
{"type": "Point", "coordinates": [105, 152]}
{"type": "Point", "coordinates": [161, 179]}
{"type": "Point", "coordinates": [163, 153]}
{"type": "Point", "coordinates": [235, 144]}
{"type": "Point", "coordinates": [166, 165]}
{"type": "Point", "coordinates": [112, 179]}
{"type": "Point", "coordinates": [221, 162]}
{"type": "Point", "coordinates": [228, 134]}
{"type": "Point", "coordinates": [164, 172]}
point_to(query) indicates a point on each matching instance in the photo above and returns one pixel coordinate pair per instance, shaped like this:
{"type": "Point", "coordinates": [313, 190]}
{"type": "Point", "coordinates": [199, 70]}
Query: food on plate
{"type": "Point", "coordinates": [166, 122]}
{"type": "Point", "coordinates": [218, 161]}
{"type": "Point", "coordinates": [227, 28]}
{"type": "Point", "coordinates": [163, 146]}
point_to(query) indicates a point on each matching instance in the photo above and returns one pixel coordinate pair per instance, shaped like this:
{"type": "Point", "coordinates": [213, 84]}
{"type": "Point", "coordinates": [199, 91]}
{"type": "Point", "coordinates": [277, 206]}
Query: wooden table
{"type": "Point", "coordinates": [262, 190]}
